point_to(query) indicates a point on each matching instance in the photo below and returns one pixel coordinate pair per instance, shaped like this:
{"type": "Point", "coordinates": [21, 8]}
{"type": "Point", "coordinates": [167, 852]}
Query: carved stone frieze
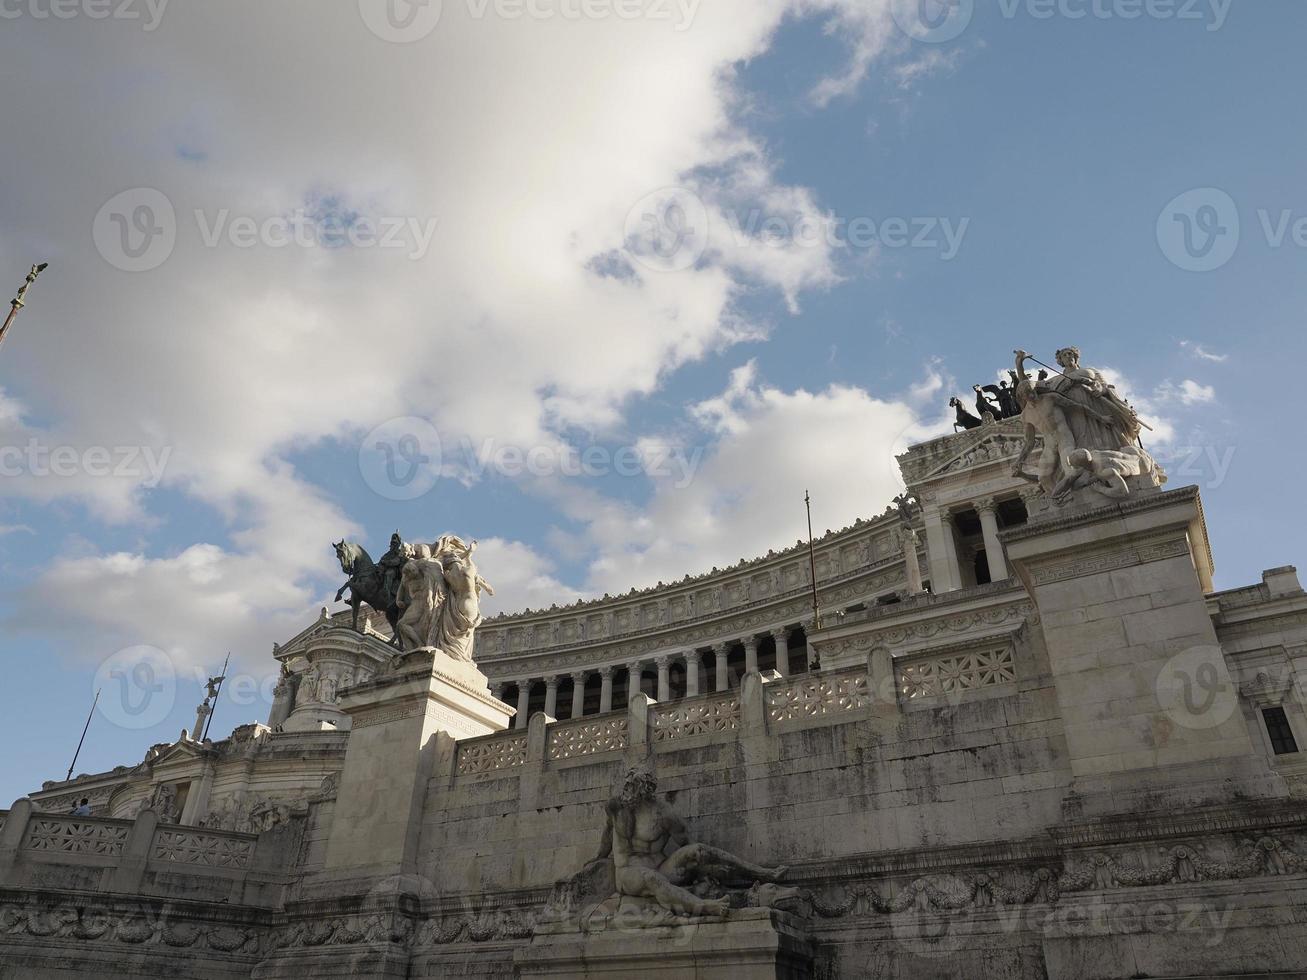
{"type": "Point", "coordinates": [142, 927]}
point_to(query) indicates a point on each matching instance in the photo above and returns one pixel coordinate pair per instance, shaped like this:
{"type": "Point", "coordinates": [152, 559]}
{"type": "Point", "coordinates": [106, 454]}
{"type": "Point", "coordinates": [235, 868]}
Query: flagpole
{"type": "Point", "coordinates": [812, 565]}
{"type": "Point", "coordinates": [20, 300]}
{"type": "Point", "coordinates": [82, 740]}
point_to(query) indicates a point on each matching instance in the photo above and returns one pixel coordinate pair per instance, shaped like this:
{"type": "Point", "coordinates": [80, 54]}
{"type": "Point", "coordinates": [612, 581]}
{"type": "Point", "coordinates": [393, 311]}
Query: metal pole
{"type": "Point", "coordinates": [20, 300]}
{"type": "Point", "coordinates": [221, 680]}
{"type": "Point", "coordinates": [83, 738]}
{"type": "Point", "coordinates": [812, 565]}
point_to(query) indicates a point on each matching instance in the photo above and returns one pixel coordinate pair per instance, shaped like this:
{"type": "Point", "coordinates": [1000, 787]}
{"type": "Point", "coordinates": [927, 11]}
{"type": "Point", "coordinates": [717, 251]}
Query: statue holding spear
{"type": "Point", "coordinates": [19, 301]}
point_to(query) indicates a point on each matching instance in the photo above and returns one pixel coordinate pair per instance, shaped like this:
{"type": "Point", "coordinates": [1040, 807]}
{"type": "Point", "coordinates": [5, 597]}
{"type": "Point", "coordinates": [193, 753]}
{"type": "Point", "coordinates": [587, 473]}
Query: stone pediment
{"type": "Point", "coordinates": [991, 447]}
{"type": "Point", "coordinates": [180, 752]}
{"type": "Point", "coordinates": [931, 459]}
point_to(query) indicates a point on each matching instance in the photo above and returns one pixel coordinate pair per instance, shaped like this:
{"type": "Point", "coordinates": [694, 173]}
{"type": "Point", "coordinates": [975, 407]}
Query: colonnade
{"type": "Point", "coordinates": [691, 661]}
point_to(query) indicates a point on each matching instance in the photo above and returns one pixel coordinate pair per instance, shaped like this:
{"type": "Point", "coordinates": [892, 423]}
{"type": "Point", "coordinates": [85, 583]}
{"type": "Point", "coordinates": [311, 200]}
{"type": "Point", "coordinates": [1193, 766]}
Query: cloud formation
{"type": "Point", "coordinates": [503, 158]}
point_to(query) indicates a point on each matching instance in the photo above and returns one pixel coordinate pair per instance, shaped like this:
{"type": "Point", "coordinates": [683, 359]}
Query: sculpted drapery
{"type": "Point", "coordinates": [439, 598]}
{"type": "Point", "coordinates": [1089, 433]}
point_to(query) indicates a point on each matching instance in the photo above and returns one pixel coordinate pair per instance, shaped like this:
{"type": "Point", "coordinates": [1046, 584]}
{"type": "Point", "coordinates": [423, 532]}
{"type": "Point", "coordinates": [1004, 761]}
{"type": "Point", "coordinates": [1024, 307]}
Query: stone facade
{"type": "Point", "coordinates": [1068, 758]}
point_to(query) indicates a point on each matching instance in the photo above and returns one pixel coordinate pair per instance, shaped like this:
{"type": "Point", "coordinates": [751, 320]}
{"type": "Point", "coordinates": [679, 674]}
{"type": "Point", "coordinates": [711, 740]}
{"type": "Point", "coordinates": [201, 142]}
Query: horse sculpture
{"type": "Point", "coordinates": [365, 585]}
{"type": "Point", "coordinates": [963, 419]}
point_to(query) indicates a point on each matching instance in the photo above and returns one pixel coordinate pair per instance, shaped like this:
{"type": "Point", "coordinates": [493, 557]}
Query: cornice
{"type": "Point", "coordinates": [1075, 518]}
{"type": "Point", "coordinates": [830, 541]}
{"type": "Point", "coordinates": [758, 617]}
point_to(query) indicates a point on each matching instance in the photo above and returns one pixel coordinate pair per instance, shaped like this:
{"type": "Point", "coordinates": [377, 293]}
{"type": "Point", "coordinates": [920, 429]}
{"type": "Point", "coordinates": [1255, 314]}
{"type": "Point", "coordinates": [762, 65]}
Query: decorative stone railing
{"type": "Point", "coordinates": [491, 753]}
{"type": "Point", "coordinates": [955, 674]}
{"type": "Point", "coordinates": [587, 736]}
{"type": "Point", "coordinates": [706, 715]}
{"type": "Point", "coordinates": [205, 849]}
{"type": "Point", "coordinates": [764, 704]}
{"type": "Point", "coordinates": [90, 836]}
{"type": "Point", "coordinates": [139, 856]}
{"type": "Point", "coordinates": [818, 695]}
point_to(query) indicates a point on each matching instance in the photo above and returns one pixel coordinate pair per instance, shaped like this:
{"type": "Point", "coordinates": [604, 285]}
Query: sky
{"type": "Point", "coordinates": [604, 284]}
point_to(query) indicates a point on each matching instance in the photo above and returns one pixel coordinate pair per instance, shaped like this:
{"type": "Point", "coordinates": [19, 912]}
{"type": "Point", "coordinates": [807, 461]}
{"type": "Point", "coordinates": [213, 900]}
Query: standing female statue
{"type": "Point", "coordinates": [1099, 418]}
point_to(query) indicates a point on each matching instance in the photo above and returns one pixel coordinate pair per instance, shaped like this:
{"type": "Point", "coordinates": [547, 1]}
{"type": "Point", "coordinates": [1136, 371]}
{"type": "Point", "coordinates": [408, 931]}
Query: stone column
{"type": "Point", "coordinates": [578, 693]}
{"type": "Point", "coordinates": [910, 561]}
{"type": "Point", "coordinates": [692, 673]}
{"type": "Point", "coordinates": [782, 637]}
{"type": "Point", "coordinates": [751, 655]}
{"type": "Point", "coordinates": [723, 678]}
{"type": "Point", "coordinates": [551, 697]}
{"type": "Point", "coordinates": [606, 691]}
{"type": "Point", "coordinates": [664, 678]}
{"type": "Point", "coordinates": [523, 704]}
{"type": "Point", "coordinates": [945, 576]}
{"type": "Point", "coordinates": [988, 511]}
{"type": "Point", "coordinates": [201, 715]}
{"type": "Point", "coordinates": [634, 674]}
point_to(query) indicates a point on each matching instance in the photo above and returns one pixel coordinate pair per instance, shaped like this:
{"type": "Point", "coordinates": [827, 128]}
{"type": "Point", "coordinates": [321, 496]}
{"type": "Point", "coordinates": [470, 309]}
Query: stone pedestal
{"type": "Point", "coordinates": [751, 944]}
{"type": "Point", "coordinates": [1150, 711]}
{"type": "Point", "coordinates": [337, 658]}
{"type": "Point", "coordinates": [399, 718]}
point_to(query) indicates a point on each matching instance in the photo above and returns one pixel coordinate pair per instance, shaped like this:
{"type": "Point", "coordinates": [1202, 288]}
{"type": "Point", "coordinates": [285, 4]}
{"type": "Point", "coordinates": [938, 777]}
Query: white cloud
{"type": "Point", "coordinates": [1201, 353]}
{"type": "Point", "coordinates": [761, 448]}
{"type": "Point", "coordinates": [528, 143]}
{"type": "Point", "coordinates": [1187, 393]}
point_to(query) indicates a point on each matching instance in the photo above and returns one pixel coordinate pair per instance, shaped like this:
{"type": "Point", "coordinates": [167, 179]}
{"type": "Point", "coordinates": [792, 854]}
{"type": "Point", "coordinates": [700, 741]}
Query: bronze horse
{"type": "Point", "coordinates": [365, 585]}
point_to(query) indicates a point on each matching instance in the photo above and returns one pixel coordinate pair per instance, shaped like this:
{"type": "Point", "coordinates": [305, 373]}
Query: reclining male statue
{"type": "Point", "coordinates": [640, 829]}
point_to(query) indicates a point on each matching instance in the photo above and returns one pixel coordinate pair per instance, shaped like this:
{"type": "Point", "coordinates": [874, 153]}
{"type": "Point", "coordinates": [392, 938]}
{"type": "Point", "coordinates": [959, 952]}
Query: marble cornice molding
{"type": "Point", "coordinates": [1129, 828]}
{"type": "Point", "coordinates": [832, 542]}
{"type": "Point", "coordinates": [1078, 517]}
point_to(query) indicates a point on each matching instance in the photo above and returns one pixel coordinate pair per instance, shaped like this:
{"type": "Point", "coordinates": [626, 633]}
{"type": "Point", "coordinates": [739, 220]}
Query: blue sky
{"type": "Point", "coordinates": [1058, 142]}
